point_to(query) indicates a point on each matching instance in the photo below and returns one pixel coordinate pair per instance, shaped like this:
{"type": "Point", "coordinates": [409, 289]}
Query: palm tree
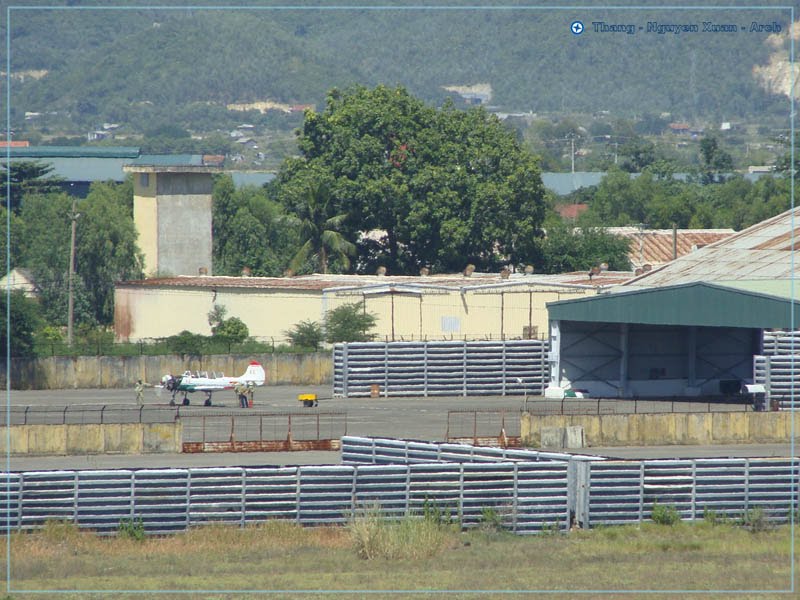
{"type": "Point", "coordinates": [320, 231]}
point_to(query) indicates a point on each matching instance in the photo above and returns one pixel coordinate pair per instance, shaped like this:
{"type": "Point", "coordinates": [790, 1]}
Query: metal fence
{"type": "Point", "coordinates": [90, 414]}
{"type": "Point", "coordinates": [529, 490]}
{"type": "Point", "coordinates": [528, 496]}
{"type": "Point", "coordinates": [780, 375]}
{"type": "Point", "coordinates": [204, 429]}
{"type": "Point", "coordinates": [383, 451]}
{"type": "Point", "coordinates": [453, 368]}
{"type": "Point", "coordinates": [622, 492]}
{"type": "Point", "coordinates": [781, 342]}
{"type": "Point", "coordinates": [484, 427]}
{"type": "Point", "coordinates": [600, 406]}
{"type": "Point", "coordinates": [253, 431]}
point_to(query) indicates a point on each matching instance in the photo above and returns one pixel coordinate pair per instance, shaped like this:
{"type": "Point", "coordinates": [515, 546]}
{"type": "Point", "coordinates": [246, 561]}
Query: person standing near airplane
{"type": "Point", "coordinates": [139, 387]}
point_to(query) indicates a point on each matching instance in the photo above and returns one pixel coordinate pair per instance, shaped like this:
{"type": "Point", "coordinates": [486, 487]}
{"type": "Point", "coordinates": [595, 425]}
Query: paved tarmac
{"type": "Point", "coordinates": [409, 418]}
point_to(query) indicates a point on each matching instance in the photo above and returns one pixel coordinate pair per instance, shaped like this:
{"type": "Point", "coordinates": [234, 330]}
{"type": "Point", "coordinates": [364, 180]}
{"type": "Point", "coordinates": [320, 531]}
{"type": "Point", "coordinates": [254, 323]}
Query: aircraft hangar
{"type": "Point", "coordinates": [692, 339]}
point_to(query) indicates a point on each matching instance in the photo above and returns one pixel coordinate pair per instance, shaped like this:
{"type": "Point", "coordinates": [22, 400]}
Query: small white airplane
{"type": "Point", "coordinates": [210, 382]}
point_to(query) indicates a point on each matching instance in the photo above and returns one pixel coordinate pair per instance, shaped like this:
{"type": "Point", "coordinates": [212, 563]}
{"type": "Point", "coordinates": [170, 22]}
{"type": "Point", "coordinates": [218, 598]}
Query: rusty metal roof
{"type": "Point", "coordinates": [332, 282]}
{"type": "Point", "coordinates": [763, 251]}
{"type": "Point", "coordinates": [654, 246]}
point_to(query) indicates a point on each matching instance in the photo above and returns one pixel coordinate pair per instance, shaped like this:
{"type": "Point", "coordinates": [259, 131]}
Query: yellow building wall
{"type": "Point", "coordinates": [151, 312]}
{"type": "Point", "coordinates": [145, 217]}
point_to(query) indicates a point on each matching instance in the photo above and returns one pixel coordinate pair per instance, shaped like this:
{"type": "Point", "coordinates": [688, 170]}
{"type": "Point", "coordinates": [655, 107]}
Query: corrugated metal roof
{"type": "Point", "coordinates": [168, 160]}
{"type": "Point", "coordinates": [75, 152]}
{"type": "Point", "coordinates": [697, 303]}
{"type": "Point", "coordinates": [319, 282]}
{"type": "Point", "coordinates": [781, 288]}
{"type": "Point", "coordinates": [763, 251]}
{"type": "Point", "coordinates": [654, 246]}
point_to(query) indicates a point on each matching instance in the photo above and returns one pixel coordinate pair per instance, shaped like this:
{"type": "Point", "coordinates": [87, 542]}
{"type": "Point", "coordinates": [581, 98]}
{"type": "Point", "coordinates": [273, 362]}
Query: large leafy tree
{"type": "Point", "coordinates": [250, 231]}
{"type": "Point", "coordinates": [319, 230]}
{"type": "Point", "coordinates": [105, 250]}
{"type": "Point", "coordinates": [569, 249]}
{"type": "Point", "coordinates": [26, 177]}
{"type": "Point", "coordinates": [445, 186]}
{"type": "Point", "coordinates": [24, 320]}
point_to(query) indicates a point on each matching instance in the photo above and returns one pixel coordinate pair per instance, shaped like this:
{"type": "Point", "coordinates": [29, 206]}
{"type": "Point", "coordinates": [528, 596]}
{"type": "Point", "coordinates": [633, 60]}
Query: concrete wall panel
{"type": "Point", "coordinates": [47, 439]}
{"type": "Point", "coordinates": [84, 439]}
{"type": "Point", "coordinates": [59, 440]}
{"type": "Point", "coordinates": [667, 429]}
{"type": "Point", "coordinates": [122, 371]}
{"type": "Point", "coordinates": [160, 437]}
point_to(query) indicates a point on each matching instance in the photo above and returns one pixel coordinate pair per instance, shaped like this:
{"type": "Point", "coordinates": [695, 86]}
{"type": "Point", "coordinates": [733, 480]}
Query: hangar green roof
{"type": "Point", "coordinates": [74, 152]}
{"type": "Point", "coordinates": [698, 303]}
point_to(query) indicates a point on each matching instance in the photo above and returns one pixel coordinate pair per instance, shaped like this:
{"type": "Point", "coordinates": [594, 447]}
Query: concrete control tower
{"type": "Point", "coordinates": [172, 212]}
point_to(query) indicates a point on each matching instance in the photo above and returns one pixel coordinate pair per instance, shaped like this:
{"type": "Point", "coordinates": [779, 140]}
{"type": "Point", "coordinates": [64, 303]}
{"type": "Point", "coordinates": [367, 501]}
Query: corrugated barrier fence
{"type": "Point", "coordinates": [529, 491]}
{"type": "Point", "coordinates": [453, 368]}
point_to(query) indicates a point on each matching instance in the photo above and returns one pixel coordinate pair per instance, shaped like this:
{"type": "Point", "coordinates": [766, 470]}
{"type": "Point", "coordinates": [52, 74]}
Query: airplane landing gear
{"type": "Point", "coordinates": [185, 400]}
{"type": "Point", "coordinates": [208, 399]}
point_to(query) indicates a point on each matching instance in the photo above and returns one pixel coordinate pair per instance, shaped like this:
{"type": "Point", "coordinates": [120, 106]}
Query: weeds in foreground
{"type": "Point", "coordinates": [132, 529]}
{"type": "Point", "coordinates": [755, 520]}
{"type": "Point", "coordinates": [411, 537]}
{"type": "Point", "coordinates": [665, 514]}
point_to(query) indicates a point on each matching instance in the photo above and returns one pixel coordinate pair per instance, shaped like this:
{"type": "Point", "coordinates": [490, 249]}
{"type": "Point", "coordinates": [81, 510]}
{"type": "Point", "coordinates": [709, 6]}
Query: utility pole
{"type": "Point", "coordinates": [572, 152]}
{"type": "Point", "coordinates": [71, 300]}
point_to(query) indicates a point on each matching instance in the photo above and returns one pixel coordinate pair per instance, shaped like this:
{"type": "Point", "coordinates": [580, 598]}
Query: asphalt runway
{"type": "Point", "coordinates": [408, 418]}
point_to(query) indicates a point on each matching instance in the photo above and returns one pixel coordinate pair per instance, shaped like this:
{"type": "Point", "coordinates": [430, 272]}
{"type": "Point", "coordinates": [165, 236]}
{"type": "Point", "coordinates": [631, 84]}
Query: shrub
{"type": "Point", "coordinates": [186, 343]}
{"type": "Point", "coordinates": [491, 519]}
{"type": "Point", "coordinates": [132, 529]}
{"type": "Point", "coordinates": [232, 330]}
{"type": "Point", "coordinates": [756, 520]}
{"type": "Point", "coordinates": [349, 323]}
{"type": "Point", "coordinates": [665, 514]}
{"type": "Point", "coordinates": [306, 334]}
{"type": "Point", "coordinates": [374, 536]}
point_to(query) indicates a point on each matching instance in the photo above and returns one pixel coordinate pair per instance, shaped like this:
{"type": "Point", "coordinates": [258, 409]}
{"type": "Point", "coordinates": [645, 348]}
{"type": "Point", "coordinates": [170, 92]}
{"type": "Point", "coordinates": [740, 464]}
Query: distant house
{"type": "Point", "coordinates": [96, 135]}
{"type": "Point", "coordinates": [679, 128]}
{"type": "Point", "coordinates": [20, 279]}
{"type": "Point", "coordinates": [571, 211]}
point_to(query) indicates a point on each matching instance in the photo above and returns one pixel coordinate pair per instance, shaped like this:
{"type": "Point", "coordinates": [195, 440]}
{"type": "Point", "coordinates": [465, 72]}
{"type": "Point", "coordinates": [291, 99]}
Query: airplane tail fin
{"type": "Point", "coordinates": [255, 374]}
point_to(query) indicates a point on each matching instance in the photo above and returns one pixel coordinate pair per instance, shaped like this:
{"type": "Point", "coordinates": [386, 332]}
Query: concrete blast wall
{"type": "Point", "coordinates": [60, 372]}
{"type": "Point", "coordinates": [668, 429]}
{"type": "Point", "coordinates": [69, 440]}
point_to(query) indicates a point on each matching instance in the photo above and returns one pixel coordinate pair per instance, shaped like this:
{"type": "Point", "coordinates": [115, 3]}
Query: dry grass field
{"type": "Point", "coordinates": [423, 554]}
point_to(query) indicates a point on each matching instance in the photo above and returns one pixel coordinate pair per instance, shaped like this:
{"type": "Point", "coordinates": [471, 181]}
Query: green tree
{"type": "Point", "coordinates": [231, 330]}
{"type": "Point", "coordinates": [349, 323]}
{"type": "Point", "coordinates": [106, 250]}
{"type": "Point", "coordinates": [27, 177]}
{"type": "Point", "coordinates": [714, 161]}
{"type": "Point", "coordinates": [24, 319]}
{"type": "Point", "coordinates": [636, 154]}
{"type": "Point", "coordinates": [565, 249]}
{"type": "Point", "coordinates": [321, 230]}
{"type": "Point", "coordinates": [446, 186]}
{"type": "Point", "coordinates": [187, 343]}
{"type": "Point", "coordinates": [250, 230]}
{"type": "Point", "coordinates": [306, 334]}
